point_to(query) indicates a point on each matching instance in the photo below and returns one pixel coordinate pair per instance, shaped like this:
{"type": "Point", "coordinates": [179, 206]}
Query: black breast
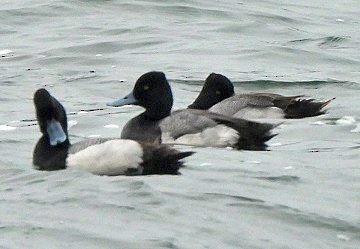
{"type": "Point", "coordinates": [141, 128]}
{"type": "Point", "coordinates": [48, 157]}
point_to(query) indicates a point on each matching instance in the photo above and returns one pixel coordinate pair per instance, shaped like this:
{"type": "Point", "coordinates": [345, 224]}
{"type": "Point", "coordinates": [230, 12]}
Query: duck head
{"type": "Point", "coordinates": [151, 91]}
{"type": "Point", "coordinates": [217, 87]}
{"type": "Point", "coordinates": [51, 117]}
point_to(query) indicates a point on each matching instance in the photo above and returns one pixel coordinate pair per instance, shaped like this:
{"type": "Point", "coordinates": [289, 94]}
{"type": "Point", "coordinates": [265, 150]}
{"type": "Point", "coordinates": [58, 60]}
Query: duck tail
{"type": "Point", "coordinates": [303, 108]}
{"type": "Point", "coordinates": [253, 135]}
{"type": "Point", "coordinates": [283, 101]}
{"type": "Point", "coordinates": [163, 160]}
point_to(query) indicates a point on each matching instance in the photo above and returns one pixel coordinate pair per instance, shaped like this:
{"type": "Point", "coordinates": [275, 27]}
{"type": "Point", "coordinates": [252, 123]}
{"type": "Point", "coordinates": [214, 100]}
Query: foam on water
{"type": "Point", "coordinates": [318, 123]}
{"type": "Point", "coordinates": [72, 123]}
{"type": "Point", "coordinates": [111, 126]}
{"type": "Point", "coordinates": [342, 237]}
{"type": "Point", "coordinates": [356, 129]}
{"type": "Point", "coordinates": [7, 128]}
{"type": "Point", "coordinates": [346, 120]}
{"type": "Point", "coordinates": [5, 51]}
{"type": "Point", "coordinates": [94, 136]}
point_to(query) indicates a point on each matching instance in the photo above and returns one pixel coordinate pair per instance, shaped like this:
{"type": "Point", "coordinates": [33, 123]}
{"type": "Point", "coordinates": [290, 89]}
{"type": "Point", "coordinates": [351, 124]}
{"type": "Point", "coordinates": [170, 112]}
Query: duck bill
{"type": "Point", "coordinates": [127, 100]}
{"type": "Point", "coordinates": [55, 132]}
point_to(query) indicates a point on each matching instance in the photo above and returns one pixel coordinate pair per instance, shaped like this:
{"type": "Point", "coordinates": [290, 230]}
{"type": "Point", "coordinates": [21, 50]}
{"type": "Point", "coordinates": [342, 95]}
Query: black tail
{"type": "Point", "coordinates": [303, 108]}
{"type": "Point", "coordinates": [284, 101]}
{"type": "Point", "coordinates": [253, 135]}
{"type": "Point", "coordinates": [163, 159]}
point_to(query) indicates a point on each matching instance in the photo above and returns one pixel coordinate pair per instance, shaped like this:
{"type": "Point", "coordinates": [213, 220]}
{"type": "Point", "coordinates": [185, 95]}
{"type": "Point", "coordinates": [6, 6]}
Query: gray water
{"type": "Point", "coordinates": [303, 193]}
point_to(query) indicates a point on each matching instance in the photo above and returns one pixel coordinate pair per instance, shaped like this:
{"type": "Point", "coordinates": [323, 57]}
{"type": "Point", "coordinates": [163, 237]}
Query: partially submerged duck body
{"type": "Point", "coordinates": [188, 127]}
{"type": "Point", "coordinates": [217, 95]}
{"type": "Point", "coordinates": [101, 156]}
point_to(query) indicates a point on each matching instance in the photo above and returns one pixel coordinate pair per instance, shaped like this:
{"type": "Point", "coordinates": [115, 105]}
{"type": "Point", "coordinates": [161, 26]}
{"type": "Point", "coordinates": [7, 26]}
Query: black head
{"type": "Point", "coordinates": [151, 91]}
{"type": "Point", "coordinates": [51, 117]}
{"type": "Point", "coordinates": [217, 87]}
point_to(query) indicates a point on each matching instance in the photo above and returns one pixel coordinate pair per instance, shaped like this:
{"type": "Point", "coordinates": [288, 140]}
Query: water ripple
{"type": "Point", "coordinates": [236, 197]}
{"type": "Point", "coordinates": [281, 179]}
{"type": "Point", "coordinates": [328, 41]}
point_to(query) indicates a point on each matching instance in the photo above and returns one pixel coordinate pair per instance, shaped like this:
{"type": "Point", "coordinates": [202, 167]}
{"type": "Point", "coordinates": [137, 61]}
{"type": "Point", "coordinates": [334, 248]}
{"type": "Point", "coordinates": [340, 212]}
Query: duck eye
{"type": "Point", "coordinates": [218, 92]}
{"type": "Point", "coordinates": [146, 87]}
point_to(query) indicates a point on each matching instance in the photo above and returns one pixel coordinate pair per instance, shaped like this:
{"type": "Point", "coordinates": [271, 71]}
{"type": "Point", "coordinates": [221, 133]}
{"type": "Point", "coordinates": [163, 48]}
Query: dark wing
{"type": "Point", "coordinates": [232, 105]}
{"type": "Point", "coordinates": [187, 121]}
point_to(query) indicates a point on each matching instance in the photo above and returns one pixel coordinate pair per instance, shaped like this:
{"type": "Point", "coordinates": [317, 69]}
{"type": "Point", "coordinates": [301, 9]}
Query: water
{"type": "Point", "coordinates": [303, 193]}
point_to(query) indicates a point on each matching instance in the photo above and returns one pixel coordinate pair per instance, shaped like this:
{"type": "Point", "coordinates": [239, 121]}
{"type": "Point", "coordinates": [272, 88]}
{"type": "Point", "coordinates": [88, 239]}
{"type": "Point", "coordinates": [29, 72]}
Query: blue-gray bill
{"type": "Point", "coordinates": [127, 100]}
{"type": "Point", "coordinates": [55, 132]}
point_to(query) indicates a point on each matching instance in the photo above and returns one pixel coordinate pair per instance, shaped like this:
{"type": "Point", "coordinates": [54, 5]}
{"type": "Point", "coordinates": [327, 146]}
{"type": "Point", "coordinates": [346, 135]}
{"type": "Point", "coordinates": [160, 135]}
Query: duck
{"type": "Point", "coordinates": [217, 95]}
{"type": "Point", "coordinates": [100, 156]}
{"type": "Point", "coordinates": [199, 128]}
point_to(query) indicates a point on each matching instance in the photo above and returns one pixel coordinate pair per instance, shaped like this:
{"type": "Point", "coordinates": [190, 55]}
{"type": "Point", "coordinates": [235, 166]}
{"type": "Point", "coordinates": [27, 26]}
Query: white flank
{"type": "Point", "coordinates": [217, 136]}
{"type": "Point", "coordinates": [113, 157]}
{"type": "Point", "coordinates": [260, 113]}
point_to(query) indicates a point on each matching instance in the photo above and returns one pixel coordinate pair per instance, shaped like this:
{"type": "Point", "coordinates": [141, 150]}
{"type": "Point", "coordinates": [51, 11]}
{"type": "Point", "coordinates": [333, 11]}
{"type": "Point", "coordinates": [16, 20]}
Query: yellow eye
{"type": "Point", "coordinates": [146, 87]}
{"type": "Point", "coordinates": [218, 92]}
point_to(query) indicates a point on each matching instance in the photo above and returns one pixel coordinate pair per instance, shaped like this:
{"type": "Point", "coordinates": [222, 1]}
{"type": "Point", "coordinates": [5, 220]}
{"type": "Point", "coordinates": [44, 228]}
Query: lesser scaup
{"type": "Point", "coordinates": [217, 95]}
{"type": "Point", "coordinates": [191, 127]}
{"type": "Point", "coordinates": [102, 156]}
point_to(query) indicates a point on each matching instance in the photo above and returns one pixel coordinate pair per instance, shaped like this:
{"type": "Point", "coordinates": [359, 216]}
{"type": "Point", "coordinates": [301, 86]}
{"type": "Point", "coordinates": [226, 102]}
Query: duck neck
{"type": "Point", "coordinates": [157, 114]}
{"type": "Point", "coordinates": [159, 108]}
{"type": "Point", "coordinates": [199, 105]}
{"type": "Point", "coordinates": [202, 102]}
{"type": "Point", "coordinates": [47, 157]}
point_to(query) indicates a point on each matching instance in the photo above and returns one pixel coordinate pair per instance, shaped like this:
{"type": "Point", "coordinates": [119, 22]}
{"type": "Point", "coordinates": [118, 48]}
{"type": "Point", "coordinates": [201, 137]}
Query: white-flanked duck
{"type": "Point", "coordinates": [217, 95]}
{"type": "Point", "coordinates": [189, 127]}
{"type": "Point", "coordinates": [102, 156]}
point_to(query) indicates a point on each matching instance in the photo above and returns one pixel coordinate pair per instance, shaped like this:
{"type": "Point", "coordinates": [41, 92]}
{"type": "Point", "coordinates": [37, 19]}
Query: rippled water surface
{"type": "Point", "coordinates": [303, 193]}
